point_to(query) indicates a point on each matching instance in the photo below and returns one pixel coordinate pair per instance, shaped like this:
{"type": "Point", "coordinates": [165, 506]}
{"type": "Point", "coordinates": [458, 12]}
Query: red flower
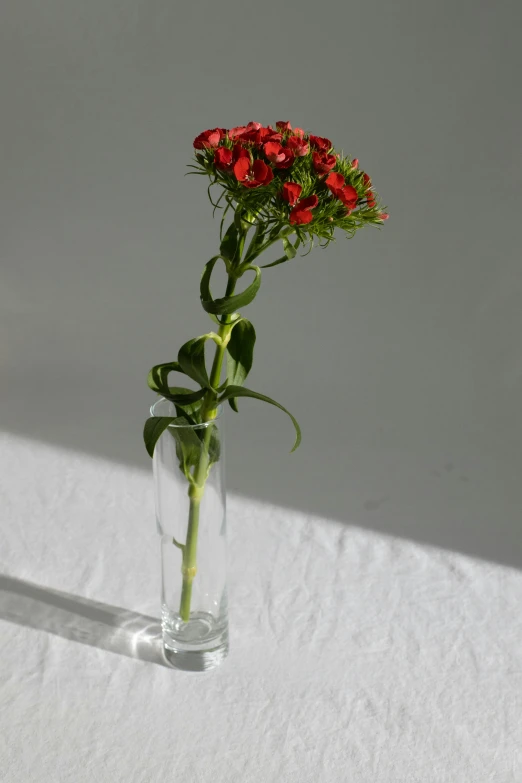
{"type": "Point", "coordinates": [209, 138]}
{"type": "Point", "coordinates": [302, 212]}
{"type": "Point", "coordinates": [283, 126]}
{"type": "Point", "coordinates": [298, 145]}
{"type": "Point", "coordinates": [323, 163]}
{"type": "Point", "coordinates": [345, 193]}
{"type": "Point", "coordinates": [225, 158]}
{"type": "Point", "coordinates": [253, 175]}
{"type": "Point", "coordinates": [235, 133]}
{"type": "Point", "coordinates": [261, 136]}
{"type": "Point", "coordinates": [334, 182]}
{"type": "Point", "coordinates": [291, 192]}
{"type": "Point", "coordinates": [320, 143]}
{"type": "Point", "coordinates": [281, 157]}
{"type": "Point", "coordinates": [240, 131]}
{"type": "Point", "coordinates": [367, 180]}
{"type": "Point", "coordinates": [348, 195]}
{"type": "Point", "coordinates": [298, 132]}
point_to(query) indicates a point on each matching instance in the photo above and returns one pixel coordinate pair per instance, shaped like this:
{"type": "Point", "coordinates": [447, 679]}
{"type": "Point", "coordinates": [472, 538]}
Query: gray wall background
{"type": "Point", "coordinates": [399, 350]}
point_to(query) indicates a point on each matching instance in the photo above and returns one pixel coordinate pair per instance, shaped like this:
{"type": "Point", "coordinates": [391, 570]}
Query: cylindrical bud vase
{"type": "Point", "coordinates": [190, 497]}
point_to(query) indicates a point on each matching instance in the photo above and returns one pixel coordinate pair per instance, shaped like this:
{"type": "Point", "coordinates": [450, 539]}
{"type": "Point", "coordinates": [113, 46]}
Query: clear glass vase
{"type": "Point", "coordinates": [190, 498]}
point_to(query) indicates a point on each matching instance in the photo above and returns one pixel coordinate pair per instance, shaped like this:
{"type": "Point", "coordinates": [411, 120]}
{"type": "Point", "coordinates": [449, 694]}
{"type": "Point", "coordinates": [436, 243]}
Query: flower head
{"type": "Point", "coordinates": [298, 145]}
{"type": "Point", "coordinates": [291, 192]}
{"type": "Point", "coordinates": [320, 143]}
{"type": "Point", "coordinates": [345, 193]}
{"type": "Point", "coordinates": [280, 156]}
{"type": "Point", "coordinates": [252, 175]}
{"type": "Point", "coordinates": [266, 169]}
{"type": "Point", "coordinates": [209, 138]}
{"type": "Point", "coordinates": [323, 162]}
{"type": "Point", "coordinates": [235, 133]}
{"type": "Point", "coordinates": [302, 211]}
{"type": "Point", "coordinates": [261, 136]}
{"type": "Point", "coordinates": [224, 158]}
{"type": "Point", "coordinates": [302, 208]}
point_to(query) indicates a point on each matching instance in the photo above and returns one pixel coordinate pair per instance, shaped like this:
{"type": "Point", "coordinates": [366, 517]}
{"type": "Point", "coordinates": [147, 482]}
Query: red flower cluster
{"type": "Point", "coordinates": [255, 155]}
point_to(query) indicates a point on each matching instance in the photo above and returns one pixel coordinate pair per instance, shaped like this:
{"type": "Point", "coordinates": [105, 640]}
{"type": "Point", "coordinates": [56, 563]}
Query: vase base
{"type": "Point", "coordinates": [197, 645]}
{"type": "Point", "coordinates": [196, 661]}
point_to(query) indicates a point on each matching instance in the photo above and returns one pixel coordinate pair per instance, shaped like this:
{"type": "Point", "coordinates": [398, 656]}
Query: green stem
{"type": "Point", "coordinates": [189, 562]}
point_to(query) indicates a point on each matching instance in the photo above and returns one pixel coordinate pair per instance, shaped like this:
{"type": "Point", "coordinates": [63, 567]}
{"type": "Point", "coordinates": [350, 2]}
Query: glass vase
{"type": "Point", "coordinates": [190, 499]}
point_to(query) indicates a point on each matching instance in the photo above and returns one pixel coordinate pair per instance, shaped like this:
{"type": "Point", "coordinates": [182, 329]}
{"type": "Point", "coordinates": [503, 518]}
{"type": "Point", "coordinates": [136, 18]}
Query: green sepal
{"type": "Point", "coordinates": [240, 391]}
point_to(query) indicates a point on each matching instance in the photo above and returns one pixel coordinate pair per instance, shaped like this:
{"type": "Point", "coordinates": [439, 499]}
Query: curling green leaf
{"type": "Point", "coordinates": [158, 377]}
{"type": "Point", "coordinates": [240, 355]}
{"type": "Point", "coordinates": [191, 358]}
{"type": "Point", "coordinates": [154, 427]}
{"type": "Point", "coordinates": [179, 395]}
{"type": "Point", "coordinates": [229, 304]}
{"type": "Point", "coordinates": [290, 252]}
{"type": "Point", "coordinates": [240, 391]}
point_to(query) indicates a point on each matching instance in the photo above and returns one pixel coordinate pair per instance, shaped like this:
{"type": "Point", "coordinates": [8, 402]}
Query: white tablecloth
{"type": "Point", "coordinates": [354, 656]}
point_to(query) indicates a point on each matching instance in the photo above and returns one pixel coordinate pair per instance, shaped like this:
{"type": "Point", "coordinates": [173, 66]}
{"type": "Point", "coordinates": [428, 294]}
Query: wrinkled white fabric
{"type": "Point", "coordinates": [354, 656]}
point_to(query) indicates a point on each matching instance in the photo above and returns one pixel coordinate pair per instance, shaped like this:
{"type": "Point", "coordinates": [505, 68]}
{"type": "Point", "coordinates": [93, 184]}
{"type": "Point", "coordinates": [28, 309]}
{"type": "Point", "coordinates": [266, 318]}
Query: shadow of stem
{"type": "Point", "coordinates": [82, 620]}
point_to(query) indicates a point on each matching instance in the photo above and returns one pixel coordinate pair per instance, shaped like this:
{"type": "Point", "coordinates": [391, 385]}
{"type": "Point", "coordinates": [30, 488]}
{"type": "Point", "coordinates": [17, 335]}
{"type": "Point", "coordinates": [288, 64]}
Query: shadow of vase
{"type": "Point", "coordinates": [81, 620]}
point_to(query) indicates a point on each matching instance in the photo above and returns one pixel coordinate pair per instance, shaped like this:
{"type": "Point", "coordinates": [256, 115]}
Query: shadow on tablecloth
{"type": "Point", "coordinates": [81, 620]}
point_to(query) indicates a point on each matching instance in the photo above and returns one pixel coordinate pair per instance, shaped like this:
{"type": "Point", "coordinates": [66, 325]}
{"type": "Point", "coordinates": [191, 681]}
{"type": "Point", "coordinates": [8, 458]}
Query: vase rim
{"type": "Point", "coordinates": [161, 400]}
